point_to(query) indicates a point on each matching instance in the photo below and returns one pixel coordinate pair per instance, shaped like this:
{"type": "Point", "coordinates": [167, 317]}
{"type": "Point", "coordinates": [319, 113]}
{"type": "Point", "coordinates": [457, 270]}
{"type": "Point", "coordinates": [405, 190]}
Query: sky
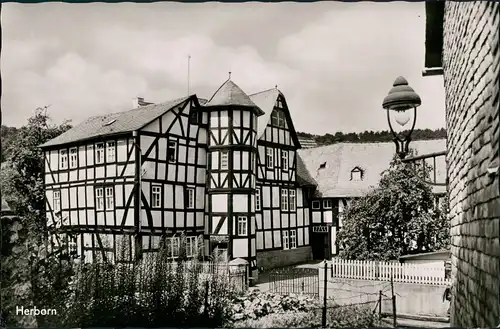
{"type": "Point", "coordinates": [334, 62]}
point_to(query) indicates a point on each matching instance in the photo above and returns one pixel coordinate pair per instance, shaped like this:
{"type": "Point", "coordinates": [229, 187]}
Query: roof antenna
{"type": "Point", "coordinates": [189, 60]}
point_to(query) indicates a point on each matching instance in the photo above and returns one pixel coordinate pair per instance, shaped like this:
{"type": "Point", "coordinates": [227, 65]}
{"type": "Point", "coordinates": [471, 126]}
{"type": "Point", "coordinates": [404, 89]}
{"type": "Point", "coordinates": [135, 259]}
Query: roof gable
{"type": "Point", "coordinates": [229, 94]}
{"type": "Point", "coordinates": [115, 123]}
{"type": "Point", "coordinates": [331, 165]}
{"type": "Point", "coordinates": [266, 101]}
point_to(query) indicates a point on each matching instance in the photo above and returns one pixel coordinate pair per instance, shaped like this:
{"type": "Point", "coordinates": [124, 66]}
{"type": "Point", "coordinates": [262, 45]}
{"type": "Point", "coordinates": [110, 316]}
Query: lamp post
{"type": "Point", "coordinates": [399, 103]}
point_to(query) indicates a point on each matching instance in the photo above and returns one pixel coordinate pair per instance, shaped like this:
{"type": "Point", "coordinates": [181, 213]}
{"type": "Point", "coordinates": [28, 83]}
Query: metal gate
{"type": "Point", "coordinates": [294, 281]}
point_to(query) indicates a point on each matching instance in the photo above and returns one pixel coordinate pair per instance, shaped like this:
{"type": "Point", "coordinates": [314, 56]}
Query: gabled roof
{"type": "Point", "coordinates": [303, 176]}
{"type": "Point", "coordinates": [229, 94]}
{"type": "Point", "coordinates": [114, 123]}
{"type": "Point", "coordinates": [338, 160]}
{"type": "Point", "coordinates": [265, 100]}
{"type": "Point", "coordinates": [307, 142]}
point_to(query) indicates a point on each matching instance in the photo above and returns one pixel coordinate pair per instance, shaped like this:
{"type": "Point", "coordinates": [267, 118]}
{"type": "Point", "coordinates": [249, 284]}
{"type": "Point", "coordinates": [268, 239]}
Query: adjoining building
{"type": "Point", "coordinates": [227, 172]}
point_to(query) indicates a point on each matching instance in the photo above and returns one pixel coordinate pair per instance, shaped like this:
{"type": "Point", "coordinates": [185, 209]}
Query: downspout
{"type": "Point", "coordinates": [137, 196]}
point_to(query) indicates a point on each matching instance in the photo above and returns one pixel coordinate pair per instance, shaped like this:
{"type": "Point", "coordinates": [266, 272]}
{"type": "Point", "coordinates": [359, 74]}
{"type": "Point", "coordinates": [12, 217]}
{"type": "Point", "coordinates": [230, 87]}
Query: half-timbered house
{"type": "Point", "coordinates": [226, 172]}
{"type": "Point", "coordinates": [346, 171]}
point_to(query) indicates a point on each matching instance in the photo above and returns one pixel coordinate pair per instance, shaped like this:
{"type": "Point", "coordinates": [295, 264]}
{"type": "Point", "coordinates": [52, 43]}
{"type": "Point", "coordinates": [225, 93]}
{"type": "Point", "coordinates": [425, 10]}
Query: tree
{"type": "Point", "coordinates": [396, 218]}
{"type": "Point", "coordinates": [35, 274]}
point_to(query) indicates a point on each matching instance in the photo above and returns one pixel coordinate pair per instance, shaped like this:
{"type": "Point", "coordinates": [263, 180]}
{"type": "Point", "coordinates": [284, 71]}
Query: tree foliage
{"type": "Point", "coordinates": [32, 273]}
{"type": "Point", "coordinates": [396, 218]}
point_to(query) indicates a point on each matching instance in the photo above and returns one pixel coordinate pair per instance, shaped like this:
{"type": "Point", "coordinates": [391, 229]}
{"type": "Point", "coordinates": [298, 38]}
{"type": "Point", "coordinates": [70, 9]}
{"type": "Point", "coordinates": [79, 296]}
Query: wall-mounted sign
{"type": "Point", "coordinates": [219, 238]}
{"type": "Point", "coordinates": [320, 229]}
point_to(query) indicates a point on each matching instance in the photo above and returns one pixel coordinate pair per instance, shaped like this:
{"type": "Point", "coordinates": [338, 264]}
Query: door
{"type": "Point", "coordinates": [318, 245]}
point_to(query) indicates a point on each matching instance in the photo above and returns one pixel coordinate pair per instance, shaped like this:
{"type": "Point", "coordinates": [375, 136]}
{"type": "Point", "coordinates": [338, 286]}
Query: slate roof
{"type": "Point", "coordinates": [334, 180]}
{"type": "Point", "coordinates": [120, 122]}
{"type": "Point", "coordinates": [229, 94]}
{"type": "Point", "coordinates": [307, 142]}
{"type": "Point", "coordinates": [265, 100]}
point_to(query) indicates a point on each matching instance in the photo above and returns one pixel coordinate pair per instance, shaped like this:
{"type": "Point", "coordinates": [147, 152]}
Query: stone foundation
{"type": "Point", "coordinates": [279, 258]}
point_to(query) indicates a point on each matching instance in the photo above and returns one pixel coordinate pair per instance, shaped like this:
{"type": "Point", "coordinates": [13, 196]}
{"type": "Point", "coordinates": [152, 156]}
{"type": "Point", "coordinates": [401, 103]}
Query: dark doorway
{"type": "Point", "coordinates": [319, 245]}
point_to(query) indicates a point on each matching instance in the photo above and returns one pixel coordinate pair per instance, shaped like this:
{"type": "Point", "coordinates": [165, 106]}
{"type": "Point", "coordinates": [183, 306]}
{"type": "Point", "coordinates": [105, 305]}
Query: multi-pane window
{"type": "Point", "coordinates": [224, 160]}
{"type": "Point", "coordinates": [293, 239]}
{"type": "Point", "coordinates": [72, 246]}
{"type": "Point", "coordinates": [57, 201]}
{"type": "Point", "coordinates": [284, 200]}
{"type": "Point", "coordinates": [189, 198]}
{"type": "Point", "coordinates": [269, 158]}
{"type": "Point", "coordinates": [257, 199]}
{"type": "Point", "coordinates": [315, 204]}
{"type": "Point", "coordinates": [156, 197]}
{"type": "Point", "coordinates": [284, 159]}
{"type": "Point", "coordinates": [242, 225]}
{"type": "Point", "coordinates": [274, 118]}
{"type": "Point", "coordinates": [111, 152]}
{"type": "Point", "coordinates": [327, 204]}
{"type": "Point", "coordinates": [99, 153]}
{"type": "Point", "coordinates": [175, 245]}
{"type": "Point", "coordinates": [110, 198]}
{"type": "Point", "coordinates": [292, 200]}
{"type": "Point", "coordinates": [191, 246]}
{"type": "Point", "coordinates": [356, 174]}
{"type": "Point", "coordinates": [281, 119]}
{"type": "Point", "coordinates": [63, 159]}
{"type": "Point", "coordinates": [171, 150]}
{"type": "Point", "coordinates": [99, 198]}
{"type": "Point", "coordinates": [73, 157]}
{"type": "Point", "coordinates": [286, 242]}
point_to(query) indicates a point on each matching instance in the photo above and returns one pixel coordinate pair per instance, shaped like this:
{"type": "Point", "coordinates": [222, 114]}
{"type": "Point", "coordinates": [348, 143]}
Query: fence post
{"type": "Point", "coordinates": [205, 311]}
{"type": "Point", "coordinates": [394, 318]}
{"type": "Point", "coordinates": [323, 319]}
{"type": "Point", "coordinates": [380, 303]}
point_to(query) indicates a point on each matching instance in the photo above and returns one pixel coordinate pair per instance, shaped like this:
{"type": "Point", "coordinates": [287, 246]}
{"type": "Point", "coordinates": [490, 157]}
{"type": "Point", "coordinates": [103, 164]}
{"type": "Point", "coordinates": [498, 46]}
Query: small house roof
{"type": "Point", "coordinates": [229, 94]}
{"type": "Point", "coordinates": [331, 166]}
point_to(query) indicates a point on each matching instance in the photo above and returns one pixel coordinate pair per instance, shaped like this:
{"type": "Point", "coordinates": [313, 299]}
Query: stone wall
{"type": "Point", "coordinates": [278, 258]}
{"type": "Point", "coordinates": [471, 73]}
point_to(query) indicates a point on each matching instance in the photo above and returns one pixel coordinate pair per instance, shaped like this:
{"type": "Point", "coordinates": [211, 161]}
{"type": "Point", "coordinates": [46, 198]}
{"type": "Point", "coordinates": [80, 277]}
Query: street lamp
{"type": "Point", "coordinates": [399, 104]}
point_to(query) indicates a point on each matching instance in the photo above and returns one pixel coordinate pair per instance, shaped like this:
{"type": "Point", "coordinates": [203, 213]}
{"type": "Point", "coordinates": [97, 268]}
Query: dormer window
{"type": "Point", "coordinates": [356, 174]}
{"type": "Point", "coordinates": [322, 166]}
{"type": "Point", "coordinates": [278, 118]}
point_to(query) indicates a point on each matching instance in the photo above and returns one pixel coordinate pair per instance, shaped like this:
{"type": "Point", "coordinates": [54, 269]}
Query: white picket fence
{"type": "Point", "coordinates": [383, 271]}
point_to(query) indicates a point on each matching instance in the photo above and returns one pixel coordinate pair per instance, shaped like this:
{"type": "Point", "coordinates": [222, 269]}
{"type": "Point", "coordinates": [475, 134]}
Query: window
{"type": "Point", "coordinates": [224, 120]}
{"type": "Point", "coordinates": [284, 159]}
{"type": "Point", "coordinates": [224, 159]}
{"type": "Point", "coordinates": [292, 200]}
{"type": "Point", "coordinates": [99, 153]}
{"type": "Point", "coordinates": [191, 246]}
{"type": "Point", "coordinates": [171, 148]}
{"type": "Point", "coordinates": [275, 118]}
{"type": "Point", "coordinates": [63, 159]}
{"type": "Point", "coordinates": [156, 197]}
{"type": "Point", "coordinates": [257, 199]}
{"type": "Point", "coordinates": [111, 152]}
{"type": "Point", "coordinates": [281, 119]}
{"type": "Point", "coordinates": [57, 201]}
{"type": "Point", "coordinates": [284, 200]}
{"type": "Point", "coordinates": [72, 246]}
{"type": "Point", "coordinates": [73, 157]}
{"type": "Point", "coordinates": [315, 204]}
{"type": "Point", "coordinates": [293, 239]}
{"type": "Point", "coordinates": [189, 198]}
{"type": "Point", "coordinates": [242, 225]}
{"type": "Point", "coordinates": [356, 174]}
{"type": "Point", "coordinates": [173, 246]}
{"type": "Point", "coordinates": [99, 198]}
{"type": "Point", "coordinates": [110, 201]}
{"type": "Point", "coordinates": [286, 244]}
{"type": "Point", "coordinates": [327, 204]}
{"type": "Point", "coordinates": [269, 158]}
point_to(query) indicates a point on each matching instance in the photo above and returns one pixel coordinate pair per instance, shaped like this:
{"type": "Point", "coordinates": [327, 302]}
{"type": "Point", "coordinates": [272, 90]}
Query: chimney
{"type": "Point", "coordinates": [137, 102]}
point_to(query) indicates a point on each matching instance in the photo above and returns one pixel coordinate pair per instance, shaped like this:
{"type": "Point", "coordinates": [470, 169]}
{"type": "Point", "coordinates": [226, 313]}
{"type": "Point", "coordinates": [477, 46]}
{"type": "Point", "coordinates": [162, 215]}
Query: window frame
{"type": "Point", "coordinates": [99, 198]}
{"type": "Point", "coordinates": [242, 226]}
{"type": "Point", "coordinates": [110, 151]}
{"type": "Point", "coordinates": [224, 160]}
{"type": "Point", "coordinates": [99, 150]}
{"type": "Point", "coordinates": [58, 199]}
{"type": "Point", "coordinates": [325, 204]}
{"type": "Point", "coordinates": [189, 198]}
{"type": "Point", "coordinates": [285, 235]}
{"type": "Point", "coordinates": [258, 200]}
{"type": "Point", "coordinates": [73, 157]}
{"type": "Point", "coordinates": [269, 158]}
{"type": "Point", "coordinates": [63, 159]}
{"type": "Point", "coordinates": [316, 202]}
{"type": "Point", "coordinates": [171, 151]}
{"type": "Point", "coordinates": [108, 197]}
{"type": "Point", "coordinates": [156, 193]}
{"type": "Point", "coordinates": [191, 246]}
{"type": "Point", "coordinates": [284, 200]}
{"type": "Point", "coordinates": [290, 197]}
{"type": "Point", "coordinates": [284, 160]}
{"type": "Point", "coordinates": [293, 239]}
